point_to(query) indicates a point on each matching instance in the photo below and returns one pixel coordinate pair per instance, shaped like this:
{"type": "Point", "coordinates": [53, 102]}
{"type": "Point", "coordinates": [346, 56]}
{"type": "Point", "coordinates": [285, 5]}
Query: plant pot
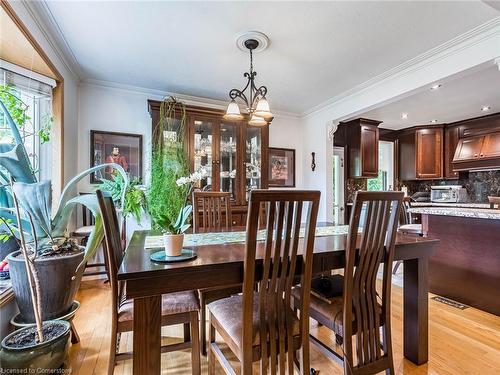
{"type": "Point", "coordinates": [48, 355]}
{"type": "Point", "coordinates": [173, 244]}
{"type": "Point", "coordinates": [58, 282]}
{"type": "Point", "coordinates": [17, 322]}
{"type": "Point", "coordinates": [8, 247]}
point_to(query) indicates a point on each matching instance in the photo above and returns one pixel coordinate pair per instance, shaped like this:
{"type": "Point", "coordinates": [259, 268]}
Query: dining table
{"type": "Point", "coordinates": [220, 261]}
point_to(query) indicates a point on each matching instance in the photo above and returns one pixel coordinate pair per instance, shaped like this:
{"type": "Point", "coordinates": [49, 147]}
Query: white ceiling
{"type": "Point", "coordinates": [318, 49]}
{"type": "Point", "coordinates": [460, 97]}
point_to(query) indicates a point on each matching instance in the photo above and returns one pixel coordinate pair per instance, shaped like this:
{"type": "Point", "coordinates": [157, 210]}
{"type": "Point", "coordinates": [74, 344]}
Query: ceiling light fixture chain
{"type": "Point", "coordinates": [255, 101]}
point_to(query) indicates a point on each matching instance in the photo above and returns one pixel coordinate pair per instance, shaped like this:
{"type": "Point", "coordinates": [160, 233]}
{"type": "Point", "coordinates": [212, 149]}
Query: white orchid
{"type": "Point", "coordinates": [182, 181]}
{"type": "Point", "coordinates": [193, 178]}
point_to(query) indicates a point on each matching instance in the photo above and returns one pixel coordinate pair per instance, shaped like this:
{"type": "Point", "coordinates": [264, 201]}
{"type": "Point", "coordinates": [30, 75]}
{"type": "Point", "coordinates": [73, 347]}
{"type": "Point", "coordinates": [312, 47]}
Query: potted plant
{"type": "Point", "coordinates": [59, 260]}
{"type": "Point", "coordinates": [134, 195]}
{"type": "Point", "coordinates": [171, 184]}
{"type": "Point", "coordinates": [43, 346]}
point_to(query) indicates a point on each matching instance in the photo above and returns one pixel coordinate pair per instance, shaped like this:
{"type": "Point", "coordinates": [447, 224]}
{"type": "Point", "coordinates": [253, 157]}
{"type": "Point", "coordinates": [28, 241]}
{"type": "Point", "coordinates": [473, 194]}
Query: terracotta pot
{"type": "Point", "coordinates": [173, 244]}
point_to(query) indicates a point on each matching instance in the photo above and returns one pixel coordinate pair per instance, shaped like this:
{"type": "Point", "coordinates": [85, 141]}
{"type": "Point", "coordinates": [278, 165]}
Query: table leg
{"type": "Point", "coordinates": [416, 310]}
{"type": "Point", "coordinates": [147, 335]}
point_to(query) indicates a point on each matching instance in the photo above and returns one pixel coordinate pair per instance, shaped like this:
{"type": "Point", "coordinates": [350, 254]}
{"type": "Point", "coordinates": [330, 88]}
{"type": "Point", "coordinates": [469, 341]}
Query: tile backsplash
{"type": "Point", "coordinates": [478, 184]}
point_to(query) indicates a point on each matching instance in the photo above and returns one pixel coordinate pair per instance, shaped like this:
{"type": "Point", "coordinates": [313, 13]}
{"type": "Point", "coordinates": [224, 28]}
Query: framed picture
{"type": "Point", "coordinates": [281, 167]}
{"type": "Point", "coordinates": [121, 148]}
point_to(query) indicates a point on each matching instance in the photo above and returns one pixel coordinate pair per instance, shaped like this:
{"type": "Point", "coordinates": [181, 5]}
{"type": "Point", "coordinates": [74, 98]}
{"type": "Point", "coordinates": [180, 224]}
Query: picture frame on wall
{"type": "Point", "coordinates": [281, 167]}
{"type": "Point", "coordinates": [124, 149]}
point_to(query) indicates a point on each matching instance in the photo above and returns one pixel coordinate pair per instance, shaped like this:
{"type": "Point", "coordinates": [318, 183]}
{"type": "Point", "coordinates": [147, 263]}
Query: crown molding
{"type": "Point", "coordinates": [48, 26]}
{"type": "Point", "coordinates": [490, 29]}
{"type": "Point", "coordinates": [160, 94]}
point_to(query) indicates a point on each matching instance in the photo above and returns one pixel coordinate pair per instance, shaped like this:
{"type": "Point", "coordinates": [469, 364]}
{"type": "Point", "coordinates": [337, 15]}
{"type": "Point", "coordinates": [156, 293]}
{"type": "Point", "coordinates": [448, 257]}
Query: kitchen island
{"type": "Point", "coordinates": [466, 266]}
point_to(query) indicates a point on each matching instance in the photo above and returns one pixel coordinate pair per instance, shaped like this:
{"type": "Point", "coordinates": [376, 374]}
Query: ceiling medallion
{"type": "Point", "coordinates": [255, 99]}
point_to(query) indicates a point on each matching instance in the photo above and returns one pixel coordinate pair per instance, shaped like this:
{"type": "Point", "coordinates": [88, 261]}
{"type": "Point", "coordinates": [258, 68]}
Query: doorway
{"type": "Point", "coordinates": [338, 186]}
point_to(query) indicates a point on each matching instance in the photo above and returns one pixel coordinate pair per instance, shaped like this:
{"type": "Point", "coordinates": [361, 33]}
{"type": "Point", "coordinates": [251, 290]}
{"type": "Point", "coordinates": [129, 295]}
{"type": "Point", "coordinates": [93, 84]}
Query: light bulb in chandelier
{"type": "Point", "coordinates": [257, 121]}
{"type": "Point", "coordinates": [262, 109]}
{"type": "Point", "coordinates": [233, 112]}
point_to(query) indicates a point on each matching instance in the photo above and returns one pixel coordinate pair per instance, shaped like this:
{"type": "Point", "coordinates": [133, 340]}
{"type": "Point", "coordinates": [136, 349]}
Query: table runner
{"type": "Point", "coordinates": [217, 238]}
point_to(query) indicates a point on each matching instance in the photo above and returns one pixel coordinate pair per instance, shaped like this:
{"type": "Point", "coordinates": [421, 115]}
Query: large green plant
{"type": "Point", "coordinates": [35, 199]}
{"type": "Point", "coordinates": [167, 199]}
{"type": "Point", "coordinates": [135, 201]}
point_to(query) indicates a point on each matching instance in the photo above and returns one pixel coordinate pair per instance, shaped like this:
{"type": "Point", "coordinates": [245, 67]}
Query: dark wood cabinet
{"type": "Point", "coordinates": [469, 148]}
{"type": "Point", "coordinates": [421, 153]}
{"type": "Point", "coordinates": [360, 139]}
{"type": "Point", "coordinates": [451, 137]}
{"type": "Point", "coordinates": [478, 152]}
{"type": "Point", "coordinates": [491, 146]}
{"type": "Point", "coordinates": [429, 153]}
{"type": "Point", "coordinates": [234, 153]}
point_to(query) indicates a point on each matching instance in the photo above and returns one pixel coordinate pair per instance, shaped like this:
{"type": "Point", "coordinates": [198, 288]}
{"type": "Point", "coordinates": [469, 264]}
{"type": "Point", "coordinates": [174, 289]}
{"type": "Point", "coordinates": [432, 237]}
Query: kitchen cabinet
{"type": "Point", "coordinates": [478, 152]}
{"type": "Point", "coordinates": [469, 148]}
{"type": "Point", "coordinates": [421, 153]}
{"type": "Point", "coordinates": [360, 139]}
{"type": "Point", "coordinates": [451, 137]}
{"type": "Point", "coordinates": [233, 153]}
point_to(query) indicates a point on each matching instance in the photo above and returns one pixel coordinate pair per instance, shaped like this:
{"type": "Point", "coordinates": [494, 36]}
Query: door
{"type": "Point", "coordinates": [228, 159]}
{"type": "Point", "coordinates": [468, 148]}
{"type": "Point", "coordinates": [253, 163]}
{"type": "Point", "coordinates": [385, 179]}
{"type": "Point", "coordinates": [429, 153]}
{"type": "Point", "coordinates": [338, 186]}
{"type": "Point", "coordinates": [203, 151]}
{"type": "Point", "coordinates": [491, 146]}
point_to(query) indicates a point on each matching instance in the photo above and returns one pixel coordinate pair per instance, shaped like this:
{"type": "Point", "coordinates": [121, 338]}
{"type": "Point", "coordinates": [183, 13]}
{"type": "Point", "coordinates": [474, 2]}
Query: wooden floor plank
{"type": "Point", "coordinates": [460, 341]}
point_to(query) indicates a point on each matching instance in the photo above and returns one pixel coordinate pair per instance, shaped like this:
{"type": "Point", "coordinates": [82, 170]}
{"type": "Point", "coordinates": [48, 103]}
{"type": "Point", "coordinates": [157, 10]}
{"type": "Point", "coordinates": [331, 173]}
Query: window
{"type": "Point", "coordinates": [385, 179]}
{"type": "Point", "coordinates": [30, 102]}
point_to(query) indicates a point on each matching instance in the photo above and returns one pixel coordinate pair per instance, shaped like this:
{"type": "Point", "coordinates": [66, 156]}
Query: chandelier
{"type": "Point", "coordinates": [255, 99]}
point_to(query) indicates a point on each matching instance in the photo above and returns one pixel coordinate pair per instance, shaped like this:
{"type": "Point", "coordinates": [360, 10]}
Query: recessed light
{"type": "Point", "coordinates": [434, 121]}
{"type": "Point", "coordinates": [485, 108]}
{"type": "Point", "coordinates": [436, 86]}
{"type": "Point", "coordinates": [404, 116]}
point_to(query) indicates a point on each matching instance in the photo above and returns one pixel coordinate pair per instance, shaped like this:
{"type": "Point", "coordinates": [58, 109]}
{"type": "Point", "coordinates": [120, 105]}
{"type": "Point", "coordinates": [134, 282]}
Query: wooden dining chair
{"type": "Point", "coordinates": [260, 325]}
{"type": "Point", "coordinates": [407, 226]}
{"type": "Point", "coordinates": [211, 213]}
{"type": "Point", "coordinates": [361, 311]}
{"type": "Point", "coordinates": [177, 308]}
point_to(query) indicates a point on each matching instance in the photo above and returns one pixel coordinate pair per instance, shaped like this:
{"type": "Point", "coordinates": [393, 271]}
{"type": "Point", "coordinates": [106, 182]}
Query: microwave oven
{"type": "Point", "coordinates": [448, 194]}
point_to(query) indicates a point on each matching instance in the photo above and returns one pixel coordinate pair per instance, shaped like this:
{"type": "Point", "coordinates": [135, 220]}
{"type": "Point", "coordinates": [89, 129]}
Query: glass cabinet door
{"type": "Point", "coordinates": [228, 159]}
{"type": "Point", "coordinates": [203, 151]}
{"type": "Point", "coordinates": [253, 159]}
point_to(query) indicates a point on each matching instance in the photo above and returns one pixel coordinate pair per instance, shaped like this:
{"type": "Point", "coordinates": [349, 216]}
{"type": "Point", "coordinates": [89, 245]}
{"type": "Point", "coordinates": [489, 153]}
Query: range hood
{"type": "Point", "coordinates": [480, 152]}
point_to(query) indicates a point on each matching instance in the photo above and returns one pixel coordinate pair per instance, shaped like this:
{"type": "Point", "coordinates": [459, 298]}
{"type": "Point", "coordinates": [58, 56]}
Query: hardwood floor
{"type": "Point", "coordinates": [460, 341]}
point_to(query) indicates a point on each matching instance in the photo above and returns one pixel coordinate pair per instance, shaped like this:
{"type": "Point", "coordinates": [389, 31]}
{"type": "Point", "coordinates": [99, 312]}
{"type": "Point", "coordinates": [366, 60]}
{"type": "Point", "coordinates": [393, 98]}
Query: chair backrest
{"type": "Point", "coordinates": [87, 217]}
{"type": "Point", "coordinates": [113, 249]}
{"type": "Point", "coordinates": [365, 250]}
{"type": "Point", "coordinates": [273, 265]}
{"type": "Point", "coordinates": [211, 211]}
{"type": "Point", "coordinates": [405, 215]}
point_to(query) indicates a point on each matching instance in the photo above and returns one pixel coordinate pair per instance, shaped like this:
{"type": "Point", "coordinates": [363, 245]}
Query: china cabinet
{"type": "Point", "coordinates": [233, 153]}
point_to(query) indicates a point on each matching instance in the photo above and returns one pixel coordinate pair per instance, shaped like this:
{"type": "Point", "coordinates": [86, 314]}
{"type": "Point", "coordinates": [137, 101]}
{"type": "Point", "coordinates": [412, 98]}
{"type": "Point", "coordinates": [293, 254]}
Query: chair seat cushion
{"type": "Point", "coordinates": [171, 303]}
{"type": "Point", "coordinates": [411, 228]}
{"type": "Point", "coordinates": [228, 313]}
{"type": "Point", "coordinates": [329, 313]}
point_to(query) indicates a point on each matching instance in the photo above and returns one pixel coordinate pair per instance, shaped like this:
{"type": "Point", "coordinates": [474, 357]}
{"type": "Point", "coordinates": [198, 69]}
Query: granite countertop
{"type": "Point", "coordinates": [475, 213]}
{"type": "Point", "coordinates": [462, 205]}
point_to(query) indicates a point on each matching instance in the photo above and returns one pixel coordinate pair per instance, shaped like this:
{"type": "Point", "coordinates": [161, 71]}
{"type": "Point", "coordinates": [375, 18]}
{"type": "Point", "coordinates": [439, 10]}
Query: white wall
{"type": "Point", "coordinates": [125, 110]}
{"type": "Point", "coordinates": [70, 87]}
{"type": "Point", "coordinates": [111, 109]}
